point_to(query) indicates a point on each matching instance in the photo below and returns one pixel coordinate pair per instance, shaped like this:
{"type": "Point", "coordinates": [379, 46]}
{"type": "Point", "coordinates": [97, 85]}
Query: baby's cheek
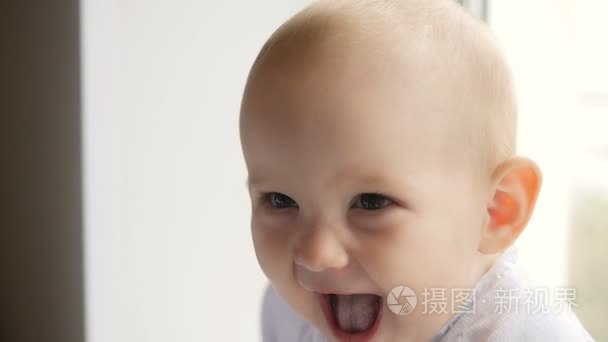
{"type": "Point", "coordinates": [383, 225]}
{"type": "Point", "coordinates": [271, 249]}
{"type": "Point", "coordinates": [386, 250]}
{"type": "Point", "coordinates": [401, 252]}
{"type": "Point", "coordinates": [274, 253]}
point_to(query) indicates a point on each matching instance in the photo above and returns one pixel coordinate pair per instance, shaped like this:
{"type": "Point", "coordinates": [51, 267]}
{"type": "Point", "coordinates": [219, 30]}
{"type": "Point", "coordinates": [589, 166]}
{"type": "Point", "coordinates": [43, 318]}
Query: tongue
{"type": "Point", "coordinates": [356, 313]}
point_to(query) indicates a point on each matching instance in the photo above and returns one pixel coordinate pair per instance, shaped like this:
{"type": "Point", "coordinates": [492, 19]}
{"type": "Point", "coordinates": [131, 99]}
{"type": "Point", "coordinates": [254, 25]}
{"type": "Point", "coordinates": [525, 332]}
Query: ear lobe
{"type": "Point", "coordinates": [517, 183]}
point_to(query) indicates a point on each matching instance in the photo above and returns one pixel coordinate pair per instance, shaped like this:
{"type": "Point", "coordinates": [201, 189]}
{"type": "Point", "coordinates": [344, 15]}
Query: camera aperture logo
{"type": "Point", "coordinates": [401, 300]}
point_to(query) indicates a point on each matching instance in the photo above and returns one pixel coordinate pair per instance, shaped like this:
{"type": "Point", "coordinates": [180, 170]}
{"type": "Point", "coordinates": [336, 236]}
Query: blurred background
{"type": "Point", "coordinates": [127, 216]}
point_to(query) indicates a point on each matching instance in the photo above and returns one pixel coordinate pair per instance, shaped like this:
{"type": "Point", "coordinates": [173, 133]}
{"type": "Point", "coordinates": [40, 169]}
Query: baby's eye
{"type": "Point", "coordinates": [372, 201]}
{"type": "Point", "coordinates": [280, 201]}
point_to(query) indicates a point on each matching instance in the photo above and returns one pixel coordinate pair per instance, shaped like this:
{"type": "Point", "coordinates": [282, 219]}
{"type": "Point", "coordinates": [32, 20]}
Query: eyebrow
{"type": "Point", "coordinates": [369, 179]}
{"type": "Point", "coordinates": [253, 181]}
{"type": "Point", "coordinates": [383, 183]}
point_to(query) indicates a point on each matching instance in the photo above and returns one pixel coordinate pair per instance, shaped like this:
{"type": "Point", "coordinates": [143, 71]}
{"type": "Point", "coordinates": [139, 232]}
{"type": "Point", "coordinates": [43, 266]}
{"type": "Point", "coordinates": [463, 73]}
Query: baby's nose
{"type": "Point", "coordinates": [319, 249]}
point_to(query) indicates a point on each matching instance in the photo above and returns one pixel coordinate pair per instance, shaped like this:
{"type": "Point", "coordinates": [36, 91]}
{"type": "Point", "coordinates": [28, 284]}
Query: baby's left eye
{"type": "Point", "coordinates": [370, 201]}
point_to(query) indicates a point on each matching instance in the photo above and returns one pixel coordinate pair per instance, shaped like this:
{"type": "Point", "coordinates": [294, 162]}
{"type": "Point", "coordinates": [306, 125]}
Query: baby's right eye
{"type": "Point", "coordinates": [280, 201]}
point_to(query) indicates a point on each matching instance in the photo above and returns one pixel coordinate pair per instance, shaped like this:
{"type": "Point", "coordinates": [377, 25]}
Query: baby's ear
{"type": "Point", "coordinates": [516, 184]}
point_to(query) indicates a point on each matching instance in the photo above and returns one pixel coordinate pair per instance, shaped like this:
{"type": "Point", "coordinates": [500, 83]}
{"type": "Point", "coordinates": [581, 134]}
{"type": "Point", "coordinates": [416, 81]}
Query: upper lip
{"type": "Point", "coordinates": [328, 291]}
{"type": "Point", "coordinates": [333, 283]}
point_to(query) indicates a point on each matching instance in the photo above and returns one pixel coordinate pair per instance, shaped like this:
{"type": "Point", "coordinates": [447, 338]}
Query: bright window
{"type": "Point", "coordinates": [559, 55]}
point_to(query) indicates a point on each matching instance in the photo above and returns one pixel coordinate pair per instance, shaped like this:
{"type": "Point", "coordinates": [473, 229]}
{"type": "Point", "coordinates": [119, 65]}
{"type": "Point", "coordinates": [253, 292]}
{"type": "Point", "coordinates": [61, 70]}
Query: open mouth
{"type": "Point", "coordinates": [352, 317]}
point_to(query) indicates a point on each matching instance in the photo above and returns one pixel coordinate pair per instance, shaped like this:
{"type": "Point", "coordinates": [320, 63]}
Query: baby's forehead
{"type": "Point", "coordinates": [399, 114]}
{"type": "Point", "coordinates": [364, 133]}
{"type": "Point", "coordinates": [384, 94]}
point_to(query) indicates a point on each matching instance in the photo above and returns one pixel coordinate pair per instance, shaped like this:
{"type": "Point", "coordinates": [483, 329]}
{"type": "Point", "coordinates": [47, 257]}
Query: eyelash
{"type": "Point", "coordinates": [267, 199]}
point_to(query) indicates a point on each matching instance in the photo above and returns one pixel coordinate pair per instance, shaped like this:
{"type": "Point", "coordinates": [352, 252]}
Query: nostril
{"type": "Point", "coordinates": [309, 264]}
{"type": "Point", "coordinates": [319, 256]}
{"type": "Point", "coordinates": [322, 262]}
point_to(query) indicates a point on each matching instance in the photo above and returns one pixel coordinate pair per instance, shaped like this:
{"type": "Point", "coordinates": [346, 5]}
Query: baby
{"type": "Point", "coordinates": [379, 138]}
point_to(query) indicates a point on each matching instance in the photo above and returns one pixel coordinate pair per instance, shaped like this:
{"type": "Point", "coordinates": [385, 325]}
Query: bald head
{"type": "Point", "coordinates": [433, 50]}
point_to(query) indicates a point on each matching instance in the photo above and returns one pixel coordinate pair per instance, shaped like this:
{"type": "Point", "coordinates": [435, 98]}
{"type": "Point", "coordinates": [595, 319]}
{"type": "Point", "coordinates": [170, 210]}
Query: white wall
{"type": "Point", "coordinates": [168, 249]}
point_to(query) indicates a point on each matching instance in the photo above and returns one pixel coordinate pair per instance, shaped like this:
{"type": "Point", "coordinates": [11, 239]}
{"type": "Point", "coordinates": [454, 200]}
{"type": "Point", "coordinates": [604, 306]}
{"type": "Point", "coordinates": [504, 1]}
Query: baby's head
{"type": "Point", "coordinates": [379, 139]}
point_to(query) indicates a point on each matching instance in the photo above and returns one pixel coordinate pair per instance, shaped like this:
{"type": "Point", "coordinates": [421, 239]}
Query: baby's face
{"type": "Point", "coordinates": [354, 190]}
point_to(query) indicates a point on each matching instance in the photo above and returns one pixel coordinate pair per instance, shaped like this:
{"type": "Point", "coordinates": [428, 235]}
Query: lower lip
{"type": "Point", "coordinates": [341, 335]}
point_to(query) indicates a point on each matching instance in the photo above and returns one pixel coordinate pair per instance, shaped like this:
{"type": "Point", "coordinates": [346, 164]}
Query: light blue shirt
{"type": "Point", "coordinates": [507, 307]}
{"type": "Point", "coordinates": [503, 309]}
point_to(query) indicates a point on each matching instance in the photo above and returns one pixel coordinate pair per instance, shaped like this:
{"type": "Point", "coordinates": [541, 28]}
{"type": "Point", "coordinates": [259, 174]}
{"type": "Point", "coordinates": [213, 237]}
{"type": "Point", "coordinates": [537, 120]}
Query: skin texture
{"type": "Point", "coordinates": [346, 101]}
